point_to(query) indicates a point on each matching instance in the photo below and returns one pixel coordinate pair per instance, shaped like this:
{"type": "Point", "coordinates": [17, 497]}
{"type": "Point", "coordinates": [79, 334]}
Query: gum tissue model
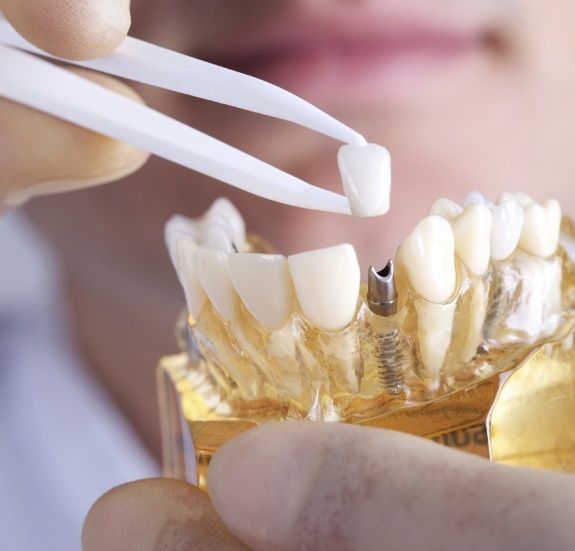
{"type": "Point", "coordinates": [466, 337]}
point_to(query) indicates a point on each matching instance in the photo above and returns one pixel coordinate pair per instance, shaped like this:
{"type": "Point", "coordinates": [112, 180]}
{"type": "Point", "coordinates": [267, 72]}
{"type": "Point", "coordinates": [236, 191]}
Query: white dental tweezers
{"type": "Point", "coordinates": [37, 83]}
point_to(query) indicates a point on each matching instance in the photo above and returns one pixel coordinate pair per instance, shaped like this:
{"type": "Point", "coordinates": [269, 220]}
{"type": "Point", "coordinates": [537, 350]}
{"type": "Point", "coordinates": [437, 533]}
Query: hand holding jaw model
{"type": "Point", "coordinates": [326, 485]}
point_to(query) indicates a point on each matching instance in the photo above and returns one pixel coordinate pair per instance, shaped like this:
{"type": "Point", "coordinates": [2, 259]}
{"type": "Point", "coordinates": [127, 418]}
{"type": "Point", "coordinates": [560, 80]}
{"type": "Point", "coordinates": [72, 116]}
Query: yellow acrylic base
{"type": "Point", "coordinates": [523, 416]}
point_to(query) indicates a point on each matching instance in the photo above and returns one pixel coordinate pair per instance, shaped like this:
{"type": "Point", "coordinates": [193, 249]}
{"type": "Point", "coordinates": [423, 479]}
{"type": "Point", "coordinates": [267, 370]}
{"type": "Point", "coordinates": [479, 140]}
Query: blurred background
{"type": "Point", "coordinates": [465, 95]}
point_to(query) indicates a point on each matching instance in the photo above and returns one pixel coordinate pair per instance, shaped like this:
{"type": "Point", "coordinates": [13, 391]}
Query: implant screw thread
{"type": "Point", "coordinates": [390, 356]}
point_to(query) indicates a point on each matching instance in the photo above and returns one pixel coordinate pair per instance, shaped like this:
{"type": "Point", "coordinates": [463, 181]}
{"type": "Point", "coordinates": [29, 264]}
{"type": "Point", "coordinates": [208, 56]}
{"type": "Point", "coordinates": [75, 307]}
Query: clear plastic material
{"type": "Point", "coordinates": [499, 383]}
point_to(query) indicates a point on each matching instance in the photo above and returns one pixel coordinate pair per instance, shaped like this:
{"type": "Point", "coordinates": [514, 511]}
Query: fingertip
{"type": "Point", "coordinates": [71, 30]}
{"type": "Point", "coordinates": [155, 514]}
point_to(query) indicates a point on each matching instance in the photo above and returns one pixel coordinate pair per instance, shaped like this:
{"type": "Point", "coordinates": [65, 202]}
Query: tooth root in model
{"type": "Point", "coordinates": [434, 333]}
{"type": "Point", "coordinates": [326, 283]}
{"type": "Point", "coordinates": [475, 319]}
{"type": "Point", "coordinates": [428, 257]}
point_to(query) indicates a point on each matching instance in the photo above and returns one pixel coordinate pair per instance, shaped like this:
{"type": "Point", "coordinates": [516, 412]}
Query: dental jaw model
{"type": "Point", "coordinates": [466, 338]}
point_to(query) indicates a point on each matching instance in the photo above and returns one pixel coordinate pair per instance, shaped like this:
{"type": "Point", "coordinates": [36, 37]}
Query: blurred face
{"type": "Point", "coordinates": [466, 95]}
{"type": "Point", "coordinates": [474, 94]}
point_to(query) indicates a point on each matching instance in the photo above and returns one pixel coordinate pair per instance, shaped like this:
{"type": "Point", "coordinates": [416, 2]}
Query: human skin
{"type": "Point", "coordinates": [503, 119]}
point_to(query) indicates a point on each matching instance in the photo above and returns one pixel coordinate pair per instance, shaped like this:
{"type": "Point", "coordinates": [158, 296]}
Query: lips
{"type": "Point", "coordinates": [365, 55]}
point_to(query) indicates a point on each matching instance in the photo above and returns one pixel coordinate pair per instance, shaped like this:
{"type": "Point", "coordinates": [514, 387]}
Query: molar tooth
{"type": "Point", "coordinates": [195, 295]}
{"type": "Point", "coordinates": [476, 197]}
{"type": "Point", "coordinates": [506, 225]}
{"type": "Point", "coordinates": [541, 227]}
{"type": "Point", "coordinates": [522, 198]}
{"type": "Point", "coordinates": [211, 267]}
{"type": "Point", "coordinates": [327, 284]}
{"type": "Point", "coordinates": [264, 284]}
{"type": "Point", "coordinates": [472, 231]}
{"type": "Point", "coordinates": [366, 175]}
{"type": "Point", "coordinates": [428, 255]}
{"type": "Point", "coordinates": [445, 207]}
{"type": "Point", "coordinates": [224, 212]}
{"type": "Point", "coordinates": [217, 236]}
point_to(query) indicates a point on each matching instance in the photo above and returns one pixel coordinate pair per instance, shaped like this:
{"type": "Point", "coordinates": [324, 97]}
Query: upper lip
{"type": "Point", "coordinates": [305, 31]}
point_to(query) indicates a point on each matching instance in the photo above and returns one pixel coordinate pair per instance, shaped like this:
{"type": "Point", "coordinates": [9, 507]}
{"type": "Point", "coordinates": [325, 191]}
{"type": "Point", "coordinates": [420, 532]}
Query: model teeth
{"type": "Point", "coordinates": [506, 226]}
{"type": "Point", "coordinates": [472, 231]}
{"type": "Point", "coordinates": [217, 236]}
{"type": "Point", "coordinates": [366, 175]}
{"type": "Point", "coordinates": [264, 285]}
{"type": "Point", "coordinates": [445, 207]}
{"type": "Point", "coordinates": [177, 227]}
{"type": "Point", "coordinates": [211, 267]}
{"type": "Point", "coordinates": [195, 295]}
{"type": "Point", "coordinates": [522, 198]}
{"type": "Point", "coordinates": [476, 198]}
{"type": "Point", "coordinates": [443, 323]}
{"type": "Point", "coordinates": [428, 255]}
{"type": "Point", "coordinates": [327, 284]}
{"type": "Point", "coordinates": [541, 227]}
{"type": "Point", "coordinates": [224, 213]}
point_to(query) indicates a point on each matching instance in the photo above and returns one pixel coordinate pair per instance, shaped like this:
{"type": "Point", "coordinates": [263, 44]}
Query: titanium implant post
{"type": "Point", "coordinates": [389, 346]}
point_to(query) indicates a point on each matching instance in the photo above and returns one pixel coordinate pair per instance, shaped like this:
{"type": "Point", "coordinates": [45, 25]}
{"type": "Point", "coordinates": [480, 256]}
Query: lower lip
{"type": "Point", "coordinates": [368, 71]}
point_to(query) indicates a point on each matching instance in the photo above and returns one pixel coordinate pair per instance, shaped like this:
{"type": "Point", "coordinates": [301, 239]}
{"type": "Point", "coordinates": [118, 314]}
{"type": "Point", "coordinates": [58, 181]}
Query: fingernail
{"type": "Point", "coordinates": [260, 480]}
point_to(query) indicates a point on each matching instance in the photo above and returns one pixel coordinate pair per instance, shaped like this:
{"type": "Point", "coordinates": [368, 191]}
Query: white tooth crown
{"type": "Point", "coordinates": [186, 249]}
{"type": "Point", "coordinates": [428, 255]}
{"type": "Point", "coordinates": [506, 226]}
{"type": "Point", "coordinates": [327, 284]}
{"type": "Point", "coordinates": [366, 176]}
{"type": "Point", "coordinates": [541, 228]}
{"type": "Point", "coordinates": [445, 207]}
{"type": "Point", "coordinates": [472, 232]}
{"type": "Point", "coordinates": [264, 284]}
{"type": "Point", "coordinates": [211, 267]}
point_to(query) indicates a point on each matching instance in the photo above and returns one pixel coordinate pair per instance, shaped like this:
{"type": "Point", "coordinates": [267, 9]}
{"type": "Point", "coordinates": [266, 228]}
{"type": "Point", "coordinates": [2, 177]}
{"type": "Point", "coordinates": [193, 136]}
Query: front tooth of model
{"type": "Point", "coordinates": [506, 225]}
{"type": "Point", "coordinates": [428, 255]}
{"type": "Point", "coordinates": [178, 226]}
{"type": "Point", "coordinates": [445, 207]}
{"type": "Point", "coordinates": [366, 176]}
{"type": "Point", "coordinates": [264, 284]}
{"type": "Point", "coordinates": [541, 228]}
{"type": "Point", "coordinates": [211, 267]}
{"type": "Point", "coordinates": [327, 284]}
{"type": "Point", "coordinates": [472, 231]}
{"type": "Point", "coordinates": [195, 295]}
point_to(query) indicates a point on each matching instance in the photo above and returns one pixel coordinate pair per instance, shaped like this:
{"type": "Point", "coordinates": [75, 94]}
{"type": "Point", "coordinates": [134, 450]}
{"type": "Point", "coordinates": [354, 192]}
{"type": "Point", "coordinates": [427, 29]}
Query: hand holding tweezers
{"type": "Point", "coordinates": [37, 83]}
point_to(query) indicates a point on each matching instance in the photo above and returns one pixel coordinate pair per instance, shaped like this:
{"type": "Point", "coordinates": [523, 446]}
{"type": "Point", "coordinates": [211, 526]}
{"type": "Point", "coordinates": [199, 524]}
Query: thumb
{"type": "Point", "coordinates": [334, 486]}
{"type": "Point", "coordinates": [71, 29]}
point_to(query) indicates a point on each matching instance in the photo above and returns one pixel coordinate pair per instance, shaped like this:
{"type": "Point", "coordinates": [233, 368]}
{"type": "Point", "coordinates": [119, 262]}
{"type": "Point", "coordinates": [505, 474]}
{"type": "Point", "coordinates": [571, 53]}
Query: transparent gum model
{"type": "Point", "coordinates": [490, 370]}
